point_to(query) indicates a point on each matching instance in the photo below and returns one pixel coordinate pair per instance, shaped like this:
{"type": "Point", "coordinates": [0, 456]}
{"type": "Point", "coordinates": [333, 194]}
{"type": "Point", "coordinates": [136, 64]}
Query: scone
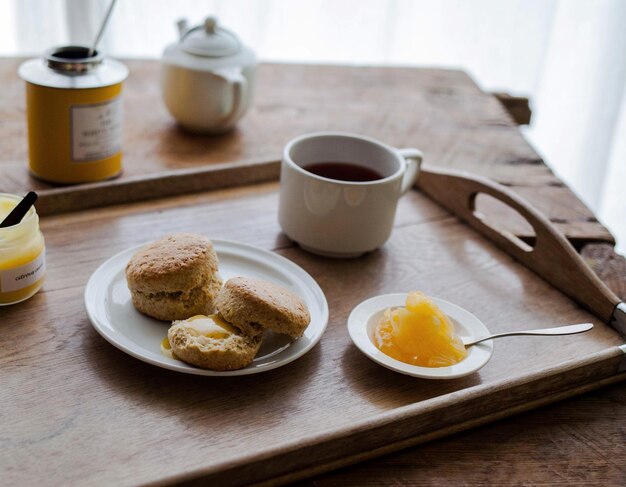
{"type": "Point", "coordinates": [211, 343]}
{"type": "Point", "coordinates": [253, 305]}
{"type": "Point", "coordinates": [175, 277]}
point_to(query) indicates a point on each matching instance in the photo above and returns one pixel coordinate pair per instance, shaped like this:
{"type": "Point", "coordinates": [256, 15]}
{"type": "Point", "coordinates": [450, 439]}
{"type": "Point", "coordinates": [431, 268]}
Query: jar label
{"type": "Point", "coordinates": [96, 130]}
{"type": "Point", "coordinates": [23, 276]}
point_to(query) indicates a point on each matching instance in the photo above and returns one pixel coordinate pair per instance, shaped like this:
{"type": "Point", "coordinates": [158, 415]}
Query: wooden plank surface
{"type": "Point", "coordinates": [456, 125]}
{"type": "Point", "coordinates": [442, 112]}
{"type": "Point", "coordinates": [91, 414]}
{"type": "Point", "coordinates": [580, 441]}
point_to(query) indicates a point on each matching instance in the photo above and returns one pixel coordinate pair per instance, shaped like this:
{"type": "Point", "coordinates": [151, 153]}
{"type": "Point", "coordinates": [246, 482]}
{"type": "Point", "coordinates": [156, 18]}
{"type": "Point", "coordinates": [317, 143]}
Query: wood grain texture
{"type": "Point", "coordinates": [111, 419]}
{"type": "Point", "coordinates": [580, 441]}
{"type": "Point", "coordinates": [517, 106]}
{"type": "Point", "coordinates": [551, 256]}
{"type": "Point", "coordinates": [91, 414]}
{"type": "Point", "coordinates": [609, 266]}
{"type": "Point", "coordinates": [442, 112]}
{"type": "Point", "coordinates": [171, 183]}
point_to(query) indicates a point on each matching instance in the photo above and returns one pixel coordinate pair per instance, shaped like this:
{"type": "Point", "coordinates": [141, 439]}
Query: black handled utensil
{"type": "Point", "coordinates": [20, 210]}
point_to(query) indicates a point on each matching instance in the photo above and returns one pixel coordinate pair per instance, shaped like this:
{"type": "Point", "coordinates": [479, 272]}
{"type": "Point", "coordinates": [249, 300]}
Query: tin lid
{"type": "Point", "coordinates": [73, 67]}
{"type": "Point", "coordinates": [73, 59]}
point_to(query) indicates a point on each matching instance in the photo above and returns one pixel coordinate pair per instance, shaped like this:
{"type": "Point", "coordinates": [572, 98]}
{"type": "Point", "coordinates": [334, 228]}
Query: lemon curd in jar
{"type": "Point", "coordinates": [22, 254]}
{"type": "Point", "coordinates": [419, 334]}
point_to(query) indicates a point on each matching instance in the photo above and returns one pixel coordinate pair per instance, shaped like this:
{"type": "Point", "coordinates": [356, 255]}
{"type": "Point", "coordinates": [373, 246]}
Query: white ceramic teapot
{"type": "Point", "coordinates": [207, 77]}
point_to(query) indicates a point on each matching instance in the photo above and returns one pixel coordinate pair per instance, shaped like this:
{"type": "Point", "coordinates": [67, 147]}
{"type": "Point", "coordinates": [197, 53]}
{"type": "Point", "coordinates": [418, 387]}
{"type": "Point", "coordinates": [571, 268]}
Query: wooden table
{"type": "Point", "coordinates": [457, 125]}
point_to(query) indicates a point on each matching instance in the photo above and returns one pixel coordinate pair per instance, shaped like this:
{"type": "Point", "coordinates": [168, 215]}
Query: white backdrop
{"type": "Point", "coordinates": [568, 56]}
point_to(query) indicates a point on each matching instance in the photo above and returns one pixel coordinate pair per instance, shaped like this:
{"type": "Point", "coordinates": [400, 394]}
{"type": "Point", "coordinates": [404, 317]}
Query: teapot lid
{"type": "Point", "coordinates": [210, 40]}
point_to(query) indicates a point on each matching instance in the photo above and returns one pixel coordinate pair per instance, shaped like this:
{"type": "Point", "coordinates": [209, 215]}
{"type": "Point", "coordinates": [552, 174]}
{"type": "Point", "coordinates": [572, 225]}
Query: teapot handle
{"type": "Point", "coordinates": [239, 84]}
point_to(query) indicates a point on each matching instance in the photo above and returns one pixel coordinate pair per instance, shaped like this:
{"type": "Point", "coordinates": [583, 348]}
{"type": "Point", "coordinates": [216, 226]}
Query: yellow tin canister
{"type": "Point", "coordinates": [74, 114]}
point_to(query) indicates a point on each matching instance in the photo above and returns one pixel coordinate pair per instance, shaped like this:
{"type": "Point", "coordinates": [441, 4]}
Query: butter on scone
{"type": "Point", "coordinates": [254, 305]}
{"type": "Point", "coordinates": [174, 277]}
{"type": "Point", "coordinates": [211, 343]}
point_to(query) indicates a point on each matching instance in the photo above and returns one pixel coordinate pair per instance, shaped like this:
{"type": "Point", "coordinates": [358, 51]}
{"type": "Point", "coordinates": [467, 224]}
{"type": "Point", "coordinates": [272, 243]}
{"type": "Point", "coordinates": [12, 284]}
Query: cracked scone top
{"type": "Point", "coordinates": [255, 305]}
{"type": "Point", "coordinates": [174, 277]}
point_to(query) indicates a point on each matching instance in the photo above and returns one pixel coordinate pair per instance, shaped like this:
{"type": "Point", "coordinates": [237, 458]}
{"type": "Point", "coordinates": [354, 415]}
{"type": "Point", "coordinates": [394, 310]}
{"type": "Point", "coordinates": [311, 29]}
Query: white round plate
{"type": "Point", "coordinates": [365, 316]}
{"type": "Point", "coordinates": [113, 315]}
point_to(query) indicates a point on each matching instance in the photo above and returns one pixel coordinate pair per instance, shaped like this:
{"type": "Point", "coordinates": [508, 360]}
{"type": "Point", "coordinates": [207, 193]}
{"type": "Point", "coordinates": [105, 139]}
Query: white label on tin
{"type": "Point", "coordinates": [24, 275]}
{"type": "Point", "coordinates": [96, 130]}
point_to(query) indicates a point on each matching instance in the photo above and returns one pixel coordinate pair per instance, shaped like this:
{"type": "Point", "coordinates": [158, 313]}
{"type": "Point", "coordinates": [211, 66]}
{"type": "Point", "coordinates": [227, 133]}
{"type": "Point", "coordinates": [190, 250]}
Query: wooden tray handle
{"type": "Point", "coordinates": [552, 257]}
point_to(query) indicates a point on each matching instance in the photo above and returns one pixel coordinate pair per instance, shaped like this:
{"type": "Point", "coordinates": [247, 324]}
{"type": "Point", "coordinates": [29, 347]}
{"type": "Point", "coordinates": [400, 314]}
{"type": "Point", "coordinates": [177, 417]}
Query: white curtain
{"type": "Point", "coordinates": [568, 56]}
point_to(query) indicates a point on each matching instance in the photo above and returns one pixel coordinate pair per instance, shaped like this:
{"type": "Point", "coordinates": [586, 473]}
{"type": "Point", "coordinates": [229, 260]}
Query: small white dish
{"type": "Point", "coordinates": [113, 315]}
{"type": "Point", "coordinates": [366, 315]}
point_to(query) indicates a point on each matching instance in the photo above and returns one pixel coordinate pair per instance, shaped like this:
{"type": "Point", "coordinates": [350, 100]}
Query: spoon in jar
{"type": "Point", "coordinates": [105, 21]}
{"type": "Point", "coordinates": [559, 330]}
{"type": "Point", "coordinates": [19, 211]}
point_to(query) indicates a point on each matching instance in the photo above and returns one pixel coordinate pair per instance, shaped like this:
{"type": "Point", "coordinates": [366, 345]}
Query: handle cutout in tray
{"type": "Point", "coordinates": [517, 229]}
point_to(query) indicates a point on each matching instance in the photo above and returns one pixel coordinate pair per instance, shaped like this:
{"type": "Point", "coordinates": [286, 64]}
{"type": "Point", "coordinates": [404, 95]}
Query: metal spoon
{"type": "Point", "coordinates": [559, 330]}
{"type": "Point", "coordinates": [105, 21]}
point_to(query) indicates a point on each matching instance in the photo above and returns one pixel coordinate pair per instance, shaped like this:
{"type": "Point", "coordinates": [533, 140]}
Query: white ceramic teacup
{"type": "Point", "coordinates": [338, 218]}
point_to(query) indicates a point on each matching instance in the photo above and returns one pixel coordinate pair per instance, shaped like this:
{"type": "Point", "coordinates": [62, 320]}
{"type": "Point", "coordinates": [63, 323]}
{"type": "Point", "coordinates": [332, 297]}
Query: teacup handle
{"type": "Point", "coordinates": [413, 158]}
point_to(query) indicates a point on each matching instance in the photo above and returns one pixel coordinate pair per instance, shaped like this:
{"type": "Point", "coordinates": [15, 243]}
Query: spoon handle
{"type": "Point", "coordinates": [559, 330]}
{"type": "Point", "coordinates": [19, 211]}
{"type": "Point", "coordinates": [105, 21]}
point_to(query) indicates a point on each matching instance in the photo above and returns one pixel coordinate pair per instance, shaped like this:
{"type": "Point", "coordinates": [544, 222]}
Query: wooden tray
{"type": "Point", "coordinates": [442, 112]}
{"type": "Point", "coordinates": [83, 412]}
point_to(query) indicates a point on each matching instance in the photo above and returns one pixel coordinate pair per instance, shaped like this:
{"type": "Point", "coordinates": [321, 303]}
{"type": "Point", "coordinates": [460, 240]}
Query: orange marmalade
{"type": "Point", "coordinates": [419, 334]}
{"type": "Point", "coordinates": [22, 254]}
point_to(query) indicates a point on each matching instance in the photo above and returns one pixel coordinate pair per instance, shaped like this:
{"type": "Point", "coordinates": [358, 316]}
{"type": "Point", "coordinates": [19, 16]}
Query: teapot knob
{"type": "Point", "coordinates": [182, 27]}
{"type": "Point", "coordinates": [210, 25]}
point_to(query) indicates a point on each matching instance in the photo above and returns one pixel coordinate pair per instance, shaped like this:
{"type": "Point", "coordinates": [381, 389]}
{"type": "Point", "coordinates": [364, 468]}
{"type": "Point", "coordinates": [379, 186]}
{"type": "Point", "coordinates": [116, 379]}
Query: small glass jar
{"type": "Point", "coordinates": [22, 254]}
